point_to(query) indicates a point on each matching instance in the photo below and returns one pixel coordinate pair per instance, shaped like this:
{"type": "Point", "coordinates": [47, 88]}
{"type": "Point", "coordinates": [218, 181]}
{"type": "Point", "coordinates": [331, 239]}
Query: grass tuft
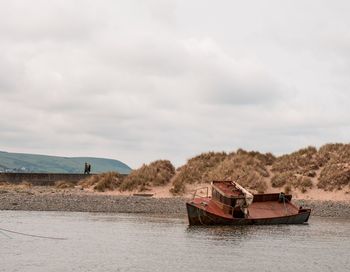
{"type": "Point", "coordinates": [103, 182]}
{"type": "Point", "coordinates": [157, 173]}
{"type": "Point", "coordinates": [63, 184]}
{"type": "Point", "coordinates": [247, 168]}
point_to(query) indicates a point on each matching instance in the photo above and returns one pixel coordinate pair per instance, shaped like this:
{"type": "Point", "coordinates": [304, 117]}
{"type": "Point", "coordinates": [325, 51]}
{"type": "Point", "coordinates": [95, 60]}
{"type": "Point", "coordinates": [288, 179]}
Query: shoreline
{"type": "Point", "coordinates": [81, 202]}
{"type": "Point", "coordinates": [74, 201]}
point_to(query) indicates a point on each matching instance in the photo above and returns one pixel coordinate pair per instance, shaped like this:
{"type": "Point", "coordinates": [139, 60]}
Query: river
{"type": "Point", "coordinates": [141, 242]}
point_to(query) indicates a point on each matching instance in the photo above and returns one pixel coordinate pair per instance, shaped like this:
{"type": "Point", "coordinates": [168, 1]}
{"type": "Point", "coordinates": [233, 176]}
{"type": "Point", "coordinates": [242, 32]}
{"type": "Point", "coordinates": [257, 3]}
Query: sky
{"type": "Point", "coordinates": [139, 81]}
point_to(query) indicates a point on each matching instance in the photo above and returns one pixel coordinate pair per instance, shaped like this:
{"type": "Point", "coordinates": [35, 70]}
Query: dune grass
{"type": "Point", "coordinates": [103, 182]}
{"type": "Point", "coordinates": [248, 168]}
{"type": "Point", "coordinates": [63, 184]}
{"type": "Point", "coordinates": [329, 167]}
{"type": "Point", "coordinates": [157, 173]}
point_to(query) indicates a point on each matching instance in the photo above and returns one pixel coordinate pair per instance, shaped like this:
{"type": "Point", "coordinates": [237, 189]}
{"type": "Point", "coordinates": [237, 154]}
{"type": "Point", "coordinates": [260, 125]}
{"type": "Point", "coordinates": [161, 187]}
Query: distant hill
{"type": "Point", "coordinates": [18, 162]}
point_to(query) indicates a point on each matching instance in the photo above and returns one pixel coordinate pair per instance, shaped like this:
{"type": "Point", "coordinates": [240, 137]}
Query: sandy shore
{"type": "Point", "coordinates": [50, 199]}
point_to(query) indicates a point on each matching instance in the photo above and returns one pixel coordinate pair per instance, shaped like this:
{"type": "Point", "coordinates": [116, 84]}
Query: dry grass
{"type": "Point", "coordinates": [196, 170]}
{"type": "Point", "coordinates": [157, 173]}
{"type": "Point", "coordinates": [103, 182]}
{"type": "Point", "coordinates": [24, 185]}
{"type": "Point", "coordinates": [266, 159]}
{"type": "Point", "coordinates": [335, 174]}
{"type": "Point", "coordinates": [18, 187]}
{"type": "Point", "coordinates": [248, 168]}
{"type": "Point", "coordinates": [281, 179]}
{"type": "Point", "coordinates": [287, 189]}
{"type": "Point", "coordinates": [303, 183]}
{"type": "Point", "coordinates": [304, 162]}
{"type": "Point", "coordinates": [329, 151]}
{"type": "Point", "coordinates": [296, 169]}
{"type": "Point", "coordinates": [63, 184]}
{"type": "Point", "coordinates": [291, 180]}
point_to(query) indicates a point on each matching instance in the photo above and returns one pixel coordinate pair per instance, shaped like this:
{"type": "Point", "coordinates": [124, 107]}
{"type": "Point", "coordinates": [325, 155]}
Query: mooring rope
{"type": "Point", "coordinates": [285, 207]}
{"type": "Point", "coordinates": [199, 216]}
{"type": "Point", "coordinates": [30, 235]}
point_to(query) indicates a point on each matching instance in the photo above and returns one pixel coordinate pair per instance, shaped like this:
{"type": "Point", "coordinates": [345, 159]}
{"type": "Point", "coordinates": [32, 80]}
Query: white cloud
{"type": "Point", "coordinates": [167, 79]}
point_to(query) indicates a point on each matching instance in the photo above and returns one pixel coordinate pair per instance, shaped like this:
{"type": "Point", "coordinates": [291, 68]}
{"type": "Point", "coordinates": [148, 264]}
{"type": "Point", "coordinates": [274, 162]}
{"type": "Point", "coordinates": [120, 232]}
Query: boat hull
{"type": "Point", "coordinates": [199, 216]}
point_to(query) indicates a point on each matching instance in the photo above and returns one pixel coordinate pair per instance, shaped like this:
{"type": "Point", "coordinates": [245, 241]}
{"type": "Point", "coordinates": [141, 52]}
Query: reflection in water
{"type": "Point", "coordinates": [244, 233]}
{"type": "Point", "coordinates": [132, 242]}
{"type": "Point", "coordinates": [220, 233]}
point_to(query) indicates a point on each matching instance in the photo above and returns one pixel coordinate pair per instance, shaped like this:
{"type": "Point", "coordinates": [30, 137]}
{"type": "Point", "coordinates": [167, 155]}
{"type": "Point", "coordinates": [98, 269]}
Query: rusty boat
{"type": "Point", "coordinates": [231, 204]}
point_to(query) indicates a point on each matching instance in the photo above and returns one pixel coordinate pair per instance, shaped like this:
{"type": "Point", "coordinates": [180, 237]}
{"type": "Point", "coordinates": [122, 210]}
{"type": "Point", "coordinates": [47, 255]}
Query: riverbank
{"type": "Point", "coordinates": [74, 200]}
{"type": "Point", "coordinates": [47, 199]}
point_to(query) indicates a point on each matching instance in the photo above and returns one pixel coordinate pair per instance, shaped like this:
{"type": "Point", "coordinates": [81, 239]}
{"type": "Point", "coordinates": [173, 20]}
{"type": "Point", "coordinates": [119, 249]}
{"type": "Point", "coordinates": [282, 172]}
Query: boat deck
{"type": "Point", "coordinates": [270, 209]}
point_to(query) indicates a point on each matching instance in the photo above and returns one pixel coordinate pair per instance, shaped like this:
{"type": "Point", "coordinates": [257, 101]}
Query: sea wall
{"type": "Point", "coordinates": [40, 179]}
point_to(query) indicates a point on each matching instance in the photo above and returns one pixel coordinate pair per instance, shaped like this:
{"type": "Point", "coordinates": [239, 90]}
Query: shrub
{"type": "Point", "coordinates": [178, 188]}
{"type": "Point", "coordinates": [247, 168]}
{"type": "Point", "coordinates": [260, 186]}
{"type": "Point", "coordinates": [108, 181]}
{"type": "Point", "coordinates": [334, 176]}
{"type": "Point", "coordinates": [25, 184]}
{"type": "Point", "coordinates": [266, 159]}
{"type": "Point", "coordinates": [157, 173]}
{"type": "Point", "coordinates": [302, 160]}
{"type": "Point", "coordinates": [103, 182]}
{"type": "Point", "coordinates": [287, 189]}
{"type": "Point", "coordinates": [244, 169]}
{"type": "Point", "coordinates": [196, 170]}
{"type": "Point", "coordinates": [303, 183]}
{"type": "Point", "coordinates": [280, 179]}
{"type": "Point", "coordinates": [330, 151]}
{"type": "Point", "coordinates": [63, 184]}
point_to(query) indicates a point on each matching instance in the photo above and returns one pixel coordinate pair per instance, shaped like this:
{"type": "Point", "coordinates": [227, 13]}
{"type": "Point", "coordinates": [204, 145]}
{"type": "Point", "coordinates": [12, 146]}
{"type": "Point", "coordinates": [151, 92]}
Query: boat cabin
{"type": "Point", "coordinates": [231, 197]}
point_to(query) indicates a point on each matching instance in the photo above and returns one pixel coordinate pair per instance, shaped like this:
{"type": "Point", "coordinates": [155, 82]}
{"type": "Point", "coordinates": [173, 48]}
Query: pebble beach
{"type": "Point", "coordinates": [48, 199]}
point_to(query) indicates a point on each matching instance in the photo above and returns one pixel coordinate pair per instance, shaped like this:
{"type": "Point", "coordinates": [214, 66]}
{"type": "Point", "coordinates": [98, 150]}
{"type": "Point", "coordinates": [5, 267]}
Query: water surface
{"type": "Point", "coordinates": [139, 242]}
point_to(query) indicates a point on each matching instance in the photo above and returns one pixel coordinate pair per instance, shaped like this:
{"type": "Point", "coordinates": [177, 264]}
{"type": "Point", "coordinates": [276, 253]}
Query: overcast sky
{"type": "Point", "coordinates": [144, 80]}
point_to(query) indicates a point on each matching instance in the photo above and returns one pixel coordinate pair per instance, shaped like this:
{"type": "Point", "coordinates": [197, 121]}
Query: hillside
{"type": "Point", "coordinates": [54, 164]}
{"type": "Point", "coordinates": [322, 170]}
{"type": "Point", "coordinates": [310, 173]}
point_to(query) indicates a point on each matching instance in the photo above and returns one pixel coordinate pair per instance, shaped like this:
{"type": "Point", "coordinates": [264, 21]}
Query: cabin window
{"type": "Point", "coordinates": [233, 202]}
{"type": "Point", "coordinates": [223, 199]}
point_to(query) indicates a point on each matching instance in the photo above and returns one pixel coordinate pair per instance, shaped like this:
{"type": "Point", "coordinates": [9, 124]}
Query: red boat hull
{"type": "Point", "coordinates": [198, 215]}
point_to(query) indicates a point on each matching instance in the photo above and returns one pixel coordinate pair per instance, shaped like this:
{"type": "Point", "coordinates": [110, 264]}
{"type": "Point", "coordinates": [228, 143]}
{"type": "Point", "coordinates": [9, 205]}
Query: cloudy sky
{"type": "Point", "coordinates": [144, 80]}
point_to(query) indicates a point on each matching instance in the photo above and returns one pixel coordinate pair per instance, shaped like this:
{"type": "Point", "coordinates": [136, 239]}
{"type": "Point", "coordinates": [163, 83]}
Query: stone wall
{"type": "Point", "coordinates": [40, 179]}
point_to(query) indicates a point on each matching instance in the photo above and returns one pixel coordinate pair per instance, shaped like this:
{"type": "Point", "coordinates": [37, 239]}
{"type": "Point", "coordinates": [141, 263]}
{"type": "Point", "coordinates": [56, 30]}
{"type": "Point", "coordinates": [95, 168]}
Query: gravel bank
{"type": "Point", "coordinates": [81, 202]}
{"type": "Point", "coordinates": [90, 203]}
{"type": "Point", "coordinates": [326, 208]}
